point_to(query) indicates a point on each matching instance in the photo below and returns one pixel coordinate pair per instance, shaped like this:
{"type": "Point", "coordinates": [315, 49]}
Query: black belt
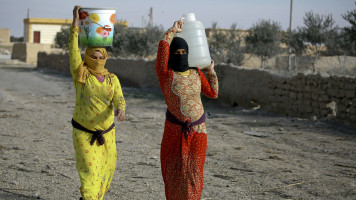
{"type": "Point", "coordinates": [186, 126]}
{"type": "Point", "coordinates": [97, 135]}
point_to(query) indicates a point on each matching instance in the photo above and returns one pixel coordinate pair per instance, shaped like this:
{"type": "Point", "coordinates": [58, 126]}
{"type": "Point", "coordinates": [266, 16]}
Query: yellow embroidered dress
{"type": "Point", "coordinates": [94, 110]}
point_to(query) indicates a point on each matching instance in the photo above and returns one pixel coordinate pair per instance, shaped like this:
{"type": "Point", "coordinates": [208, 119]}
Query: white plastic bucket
{"type": "Point", "coordinates": [96, 26]}
{"type": "Point", "coordinates": [194, 34]}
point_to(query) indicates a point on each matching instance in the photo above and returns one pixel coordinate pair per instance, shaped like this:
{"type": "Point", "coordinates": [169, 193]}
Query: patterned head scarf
{"type": "Point", "coordinates": [92, 66]}
{"type": "Point", "coordinates": [178, 62]}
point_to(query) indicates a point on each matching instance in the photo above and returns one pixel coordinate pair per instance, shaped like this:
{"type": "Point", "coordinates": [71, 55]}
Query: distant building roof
{"type": "Point", "coordinates": [60, 21]}
{"type": "Point", "coordinates": [47, 21]}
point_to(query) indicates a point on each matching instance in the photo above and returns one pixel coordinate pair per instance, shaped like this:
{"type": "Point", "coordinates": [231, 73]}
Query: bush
{"type": "Point", "coordinates": [16, 39]}
{"type": "Point", "coordinates": [62, 38]}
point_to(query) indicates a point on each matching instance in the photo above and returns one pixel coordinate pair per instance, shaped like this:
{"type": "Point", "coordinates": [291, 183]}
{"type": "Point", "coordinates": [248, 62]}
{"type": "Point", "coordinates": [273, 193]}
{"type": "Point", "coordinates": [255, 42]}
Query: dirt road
{"type": "Point", "coordinates": [251, 154]}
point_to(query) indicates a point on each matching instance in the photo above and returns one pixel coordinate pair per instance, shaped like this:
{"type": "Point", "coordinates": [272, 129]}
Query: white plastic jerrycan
{"type": "Point", "coordinates": [194, 34]}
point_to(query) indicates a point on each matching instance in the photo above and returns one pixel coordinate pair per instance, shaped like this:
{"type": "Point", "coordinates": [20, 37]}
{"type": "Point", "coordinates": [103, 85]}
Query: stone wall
{"type": "Point", "coordinates": [332, 97]}
{"type": "Point", "coordinates": [4, 35]}
{"type": "Point", "coordinates": [28, 52]}
{"type": "Point", "coordinates": [313, 95]}
{"type": "Point", "coordinates": [136, 73]}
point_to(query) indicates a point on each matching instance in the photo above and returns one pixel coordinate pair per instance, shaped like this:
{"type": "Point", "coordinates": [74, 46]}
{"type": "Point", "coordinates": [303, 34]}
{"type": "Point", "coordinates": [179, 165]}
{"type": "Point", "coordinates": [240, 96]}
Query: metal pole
{"type": "Point", "coordinates": [290, 32]}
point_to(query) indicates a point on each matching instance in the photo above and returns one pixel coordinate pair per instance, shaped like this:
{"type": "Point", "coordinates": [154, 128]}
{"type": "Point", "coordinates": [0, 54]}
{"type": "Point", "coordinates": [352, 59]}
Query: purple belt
{"type": "Point", "coordinates": [186, 126]}
{"type": "Point", "coordinates": [97, 135]}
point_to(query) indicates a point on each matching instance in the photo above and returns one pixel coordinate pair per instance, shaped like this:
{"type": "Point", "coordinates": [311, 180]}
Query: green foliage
{"type": "Point", "coordinates": [62, 38]}
{"type": "Point", "coordinates": [16, 39]}
{"type": "Point", "coordinates": [225, 46]}
{"type": "Point", "coordinates": [340, 43]}
{"type": "Point", "coordinates": [317, 28]}
{"type": "Point", "coordinates": [136, 42]}
{"type": "Point", "coordinates": [295, 41]}
{"type": "Point", "coordinates": [264, 39]}
{"type": "Point", "coordinates": [350, 32]}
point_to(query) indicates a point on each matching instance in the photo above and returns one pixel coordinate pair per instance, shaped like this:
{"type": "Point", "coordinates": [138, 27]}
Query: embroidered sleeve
{"type": "Point", "coordinates": [169, 35]}
{"type": "Point", "coordinates": [210, 86]}
{"type": "Point", "coordinates": [118, 99]}
{"type": "Point", "coordinates": [163, 55]}
{"type": "Point", "coordinates": [74, 53]}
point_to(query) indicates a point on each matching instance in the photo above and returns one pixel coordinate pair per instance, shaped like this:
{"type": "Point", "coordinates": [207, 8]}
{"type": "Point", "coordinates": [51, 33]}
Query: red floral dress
{"type": "Point", "coordinates": [183, 157]}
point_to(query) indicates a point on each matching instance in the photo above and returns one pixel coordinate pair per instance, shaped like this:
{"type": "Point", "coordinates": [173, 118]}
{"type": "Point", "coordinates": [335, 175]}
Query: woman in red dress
{"type": "Point", "coordinates": [184, 139]}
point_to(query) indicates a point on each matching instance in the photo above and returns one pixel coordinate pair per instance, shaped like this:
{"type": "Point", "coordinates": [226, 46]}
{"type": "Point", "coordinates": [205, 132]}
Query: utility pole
{"type": "Point", "coordinates": [150, 22]}
{"type": "Point", "coordinates": [290, 33]}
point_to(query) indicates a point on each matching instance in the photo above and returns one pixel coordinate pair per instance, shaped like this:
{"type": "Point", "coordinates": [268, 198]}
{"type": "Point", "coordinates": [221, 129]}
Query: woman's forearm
{"type": "Point", "coordinates": [75, 21]}
{"type": "Point", "coordinates": [76, 15]}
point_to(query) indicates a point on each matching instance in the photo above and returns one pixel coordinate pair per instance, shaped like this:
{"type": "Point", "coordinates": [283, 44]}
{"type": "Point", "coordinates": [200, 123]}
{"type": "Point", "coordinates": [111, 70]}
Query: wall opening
{"type": "Point", "coordinates": [333, 109]}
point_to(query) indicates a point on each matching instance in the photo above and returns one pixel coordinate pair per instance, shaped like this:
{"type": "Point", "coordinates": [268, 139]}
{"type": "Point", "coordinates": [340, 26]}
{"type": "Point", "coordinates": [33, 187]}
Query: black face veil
{"type": "Point", "coordinates": [178, 62]}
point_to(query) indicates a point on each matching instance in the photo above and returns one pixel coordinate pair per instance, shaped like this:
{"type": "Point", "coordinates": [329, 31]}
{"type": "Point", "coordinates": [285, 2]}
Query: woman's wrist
{"type": "Point", "coordinates": [211, 72]}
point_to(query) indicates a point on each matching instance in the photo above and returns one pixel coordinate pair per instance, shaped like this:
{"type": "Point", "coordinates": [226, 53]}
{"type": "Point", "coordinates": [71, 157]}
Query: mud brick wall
{"type": "Point", "coordinates": [53, 62]}
{"type": "Point", "coordinates": [131, 72]}
{"type": "Point", "coordinates": [307, 96]}
{"type": "Point", "coordinates": [332, 97]}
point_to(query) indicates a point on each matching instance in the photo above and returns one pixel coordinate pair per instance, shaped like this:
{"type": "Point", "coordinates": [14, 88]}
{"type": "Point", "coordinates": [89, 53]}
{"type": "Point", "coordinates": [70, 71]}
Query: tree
{"type": "Point", "coordinates": [225, 45]}
{"type": "Point", "coordinates": [264, 39]}
{"type": "Point", "coordinates": [350, 32]}
{"type": "Point", "coordinates": [217, 43]}
{"type": "Point", "coordinates": [317, 28]}
{"type": "Point", "coordinates": [235, 52]}
{"type": "Point", "coordinates": [62, 38]}
{"type": "Point", "coordinates": [340, 44]}
{"type": "Point", "coordinates": [294, 40]}
{"type": "Point", "coordinates": [136, 41]}
{"type": "Point", "coordinates": [16, 39]}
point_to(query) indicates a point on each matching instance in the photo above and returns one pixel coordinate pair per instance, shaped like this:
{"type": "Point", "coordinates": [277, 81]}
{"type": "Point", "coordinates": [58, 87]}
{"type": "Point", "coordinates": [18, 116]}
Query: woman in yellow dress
{"type": "Point", "coordinates": [98, 97]}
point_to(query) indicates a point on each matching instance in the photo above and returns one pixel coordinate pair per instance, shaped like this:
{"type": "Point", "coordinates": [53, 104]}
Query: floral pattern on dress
{"type": "Point", "coordinates": [94, 109]}
{"type": "Point", "coordinates": [183, 156]}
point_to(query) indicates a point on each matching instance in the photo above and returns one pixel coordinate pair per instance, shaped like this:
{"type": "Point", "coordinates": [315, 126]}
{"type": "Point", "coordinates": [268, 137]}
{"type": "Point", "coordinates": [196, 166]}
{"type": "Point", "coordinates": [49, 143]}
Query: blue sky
{"type": "Point", "coordinates": [225, 12]}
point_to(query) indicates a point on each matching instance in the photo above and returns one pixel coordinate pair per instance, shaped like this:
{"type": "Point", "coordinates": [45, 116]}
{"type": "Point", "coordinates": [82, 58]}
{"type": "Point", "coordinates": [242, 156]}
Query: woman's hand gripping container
{"type": "Point", "coordinates": [194, 34]}
{"type": "Point", "coordinates": [96, 26]}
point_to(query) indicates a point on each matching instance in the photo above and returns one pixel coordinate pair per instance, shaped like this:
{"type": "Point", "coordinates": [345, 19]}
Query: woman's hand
{"type": "Point", "coordinates": [120, 115]}
{"type": "Point", "coordinates": [209, 68]}
{"type": "Point", "coordinates": [76, 15]}
{"type": "Point", "coordinates": [178, 26]}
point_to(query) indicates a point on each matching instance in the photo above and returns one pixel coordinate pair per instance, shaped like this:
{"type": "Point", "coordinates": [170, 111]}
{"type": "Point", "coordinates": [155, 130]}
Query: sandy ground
{"type": "Point", "coordinates": [251, 154]}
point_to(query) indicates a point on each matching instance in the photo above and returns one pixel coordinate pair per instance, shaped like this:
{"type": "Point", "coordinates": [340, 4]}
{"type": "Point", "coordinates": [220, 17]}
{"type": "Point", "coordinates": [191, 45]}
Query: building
{"type": "Point", "coordinates": [43, 30]}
